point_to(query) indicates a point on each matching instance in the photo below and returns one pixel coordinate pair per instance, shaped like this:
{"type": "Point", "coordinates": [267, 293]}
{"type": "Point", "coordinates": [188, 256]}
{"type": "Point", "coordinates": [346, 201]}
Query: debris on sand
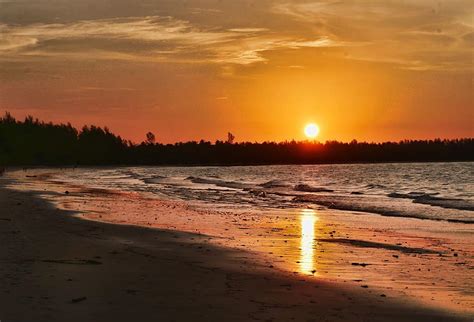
{"type": "Point", "coordinates": [79, 299]}
{"type": "Point", "coordinates": [72, 261]}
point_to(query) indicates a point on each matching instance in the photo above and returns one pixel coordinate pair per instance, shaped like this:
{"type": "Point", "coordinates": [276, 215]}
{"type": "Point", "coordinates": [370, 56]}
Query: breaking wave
{"type": "Point", "coordinates": [432, 200]}
{"type": "Point", "coordinates": [384, 208]}
{"type": "Point", "coordinates": [274, 184]}
{"type": "Point", "coordinates": [308, 188]}
{"type": "Point", "coordinates": [219, 182]}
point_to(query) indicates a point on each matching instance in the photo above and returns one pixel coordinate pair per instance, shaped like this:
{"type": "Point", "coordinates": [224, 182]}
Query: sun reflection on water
{"type": "Point", "coordinates": [308, 220]}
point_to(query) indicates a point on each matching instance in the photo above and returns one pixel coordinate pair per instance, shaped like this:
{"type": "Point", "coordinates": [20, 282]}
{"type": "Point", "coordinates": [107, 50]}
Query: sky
{"type": "Point", "coordinates": [195, 69]}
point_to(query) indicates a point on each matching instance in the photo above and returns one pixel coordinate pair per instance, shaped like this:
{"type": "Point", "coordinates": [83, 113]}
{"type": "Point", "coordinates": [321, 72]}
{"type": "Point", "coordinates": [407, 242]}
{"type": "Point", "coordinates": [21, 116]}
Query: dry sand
{"type": "Point", "coordinates": [57, 266]}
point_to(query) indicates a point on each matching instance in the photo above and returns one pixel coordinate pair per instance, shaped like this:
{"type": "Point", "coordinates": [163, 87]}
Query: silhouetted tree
{"type": "Point", "coordinates": [33, 142]}
{"type": "Point", "coordinates": [150, 138]}
{"type": "Point", "coordinates": [230, 138]}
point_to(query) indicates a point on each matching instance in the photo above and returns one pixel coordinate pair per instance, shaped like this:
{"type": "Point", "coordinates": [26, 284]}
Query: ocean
{"type": "Point", "coordinates": [433, 191]}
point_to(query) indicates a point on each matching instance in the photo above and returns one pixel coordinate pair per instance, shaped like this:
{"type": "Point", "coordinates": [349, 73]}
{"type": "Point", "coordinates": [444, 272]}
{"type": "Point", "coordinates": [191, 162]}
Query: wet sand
{"type": "Point", "coordinates": [57, 266]}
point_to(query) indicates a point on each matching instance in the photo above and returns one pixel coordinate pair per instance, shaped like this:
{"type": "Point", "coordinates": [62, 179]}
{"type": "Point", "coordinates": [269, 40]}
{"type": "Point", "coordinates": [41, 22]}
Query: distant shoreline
{"type": "Point", "coordinates": [34, 142]}
{"type": "Point", "coordinates": [178, 165]}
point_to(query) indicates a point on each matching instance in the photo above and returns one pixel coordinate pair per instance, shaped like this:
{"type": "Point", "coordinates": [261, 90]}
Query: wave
{"type": "Point", "coordinates": [410, 195]}
{"type": "Point", "coordinates": [432, 200]}
{"type": "Point", "coordinates": [459, 204]}
{"type": "Point", "coordinates": [375, 186]}
{"type": "Point", "coordinates": [274, 184]}
{"type": "Point", "coordinates": [359, 205]}
{"type": "Point", "coordinates": [307, 188]}
{"type": "Point", "coordinates": [131, 174]}
{"type": "Point", "coordinates": [219, 183]}
{"type": "Point", "coordinates": [154, 179]}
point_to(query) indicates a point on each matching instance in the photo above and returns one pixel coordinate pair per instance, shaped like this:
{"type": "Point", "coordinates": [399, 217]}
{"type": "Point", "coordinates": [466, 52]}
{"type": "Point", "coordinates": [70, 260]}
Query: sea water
{"type": "Point", "coordinates": [433, 191]}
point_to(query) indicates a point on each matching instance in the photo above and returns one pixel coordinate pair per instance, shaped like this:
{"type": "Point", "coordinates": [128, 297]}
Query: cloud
{"type": "Point", "coordinates": [410, 33]}
{"type": "Point", "coordinates": [143, 28]}
{"type": "Point", "coordinates": [248, 30]}
{"type": "Point", "coordinates": [13, 43]}
{"type": "Point", "coordinates": [405, 34]}
{"type": "Point", "coordinates": [250, 50]}
{"type": "Point", "coordinates": [149, 38]}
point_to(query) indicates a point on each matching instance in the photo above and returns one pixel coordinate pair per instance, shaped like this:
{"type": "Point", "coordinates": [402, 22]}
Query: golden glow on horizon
{"type": "Point", "coordinates": [311, 130]}
{"type": "Point", "coordinates": [308, 220]}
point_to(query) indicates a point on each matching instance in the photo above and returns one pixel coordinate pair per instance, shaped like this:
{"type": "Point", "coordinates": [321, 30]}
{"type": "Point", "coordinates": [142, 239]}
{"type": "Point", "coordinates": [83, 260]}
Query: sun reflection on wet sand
{"type": "Point", "coordinates": [308, 220]}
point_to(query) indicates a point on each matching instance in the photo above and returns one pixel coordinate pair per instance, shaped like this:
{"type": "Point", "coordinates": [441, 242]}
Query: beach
{"type": "Point", "coordinates": [236, 160]}
{"type": "Point", "coordinates": [73, 252]}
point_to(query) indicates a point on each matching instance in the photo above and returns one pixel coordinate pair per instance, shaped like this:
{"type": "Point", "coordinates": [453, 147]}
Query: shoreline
{"type": "Point", "coordinates": [57, 266]}
{"type": "Point", "coordinates": [303, 198]}
{"type": "Point", "coordinates": [184, 165]}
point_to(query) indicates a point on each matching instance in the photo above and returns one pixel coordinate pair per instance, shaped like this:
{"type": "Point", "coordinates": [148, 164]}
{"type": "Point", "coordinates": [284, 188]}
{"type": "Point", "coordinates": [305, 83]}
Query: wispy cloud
{"type": "Point", "coordinates": [149, 38]}
{"type": "Point", "coordinates": [141, 28]}
{"type": "Point", "coordinates": [409, 35]}
{"type": "Point", "coordinates": [412, 34]}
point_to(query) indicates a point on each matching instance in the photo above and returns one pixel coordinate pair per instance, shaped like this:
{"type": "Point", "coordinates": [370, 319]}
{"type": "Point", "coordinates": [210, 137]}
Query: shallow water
{"type": "Point", "coordinates": [438, 191]}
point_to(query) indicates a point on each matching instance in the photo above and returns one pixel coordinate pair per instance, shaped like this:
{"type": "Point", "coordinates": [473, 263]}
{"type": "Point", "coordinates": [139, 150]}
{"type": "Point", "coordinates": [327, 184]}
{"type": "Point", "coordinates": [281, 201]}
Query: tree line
{"type": "Point", "coordinates": [33, 142]}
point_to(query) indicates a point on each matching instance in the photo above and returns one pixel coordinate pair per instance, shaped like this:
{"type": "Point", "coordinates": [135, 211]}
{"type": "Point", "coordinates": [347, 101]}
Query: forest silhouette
{"type": "Point", "coordinates": [34, 143]}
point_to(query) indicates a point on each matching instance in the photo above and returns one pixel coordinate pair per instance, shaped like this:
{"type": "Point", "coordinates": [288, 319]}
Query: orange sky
{"type": "Point", "coordinates": [186, 70]}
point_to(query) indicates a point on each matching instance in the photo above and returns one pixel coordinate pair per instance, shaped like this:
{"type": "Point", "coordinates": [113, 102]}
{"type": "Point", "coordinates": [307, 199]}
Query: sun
{"type": "Point", "coordinates": [311, 130]}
